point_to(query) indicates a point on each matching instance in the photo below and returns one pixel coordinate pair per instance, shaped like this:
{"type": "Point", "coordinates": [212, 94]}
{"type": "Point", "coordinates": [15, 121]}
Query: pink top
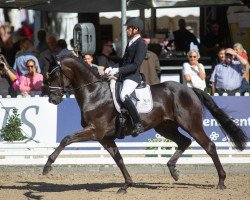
{"type": "Point", "coordinates": [31, 83]}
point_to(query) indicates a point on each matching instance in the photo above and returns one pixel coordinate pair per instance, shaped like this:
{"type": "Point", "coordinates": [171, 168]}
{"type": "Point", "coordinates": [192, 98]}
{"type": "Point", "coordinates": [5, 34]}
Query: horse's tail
{"type": "Point", "coordinates": [235, 133]}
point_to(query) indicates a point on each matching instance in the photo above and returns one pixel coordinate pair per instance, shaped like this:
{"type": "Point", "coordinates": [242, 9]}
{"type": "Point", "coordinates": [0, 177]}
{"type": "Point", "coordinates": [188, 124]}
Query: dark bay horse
{"type": "Point", "coordinates": [175, 105]}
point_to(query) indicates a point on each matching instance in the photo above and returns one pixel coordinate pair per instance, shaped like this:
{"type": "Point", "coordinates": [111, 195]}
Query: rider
{"type": "Point", "coordinates": [129, 69]}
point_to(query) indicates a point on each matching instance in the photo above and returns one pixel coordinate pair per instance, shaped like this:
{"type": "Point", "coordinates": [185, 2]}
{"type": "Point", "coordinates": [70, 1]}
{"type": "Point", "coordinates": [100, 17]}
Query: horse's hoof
{"type": "Point", "coordinates": [122, 191]}
{"type": "Point", "coordinates": [174, 173]}
{"type": "Point", "coordinates": [46, 170]}
{"type": "Point", "coordinates": [221, 186]}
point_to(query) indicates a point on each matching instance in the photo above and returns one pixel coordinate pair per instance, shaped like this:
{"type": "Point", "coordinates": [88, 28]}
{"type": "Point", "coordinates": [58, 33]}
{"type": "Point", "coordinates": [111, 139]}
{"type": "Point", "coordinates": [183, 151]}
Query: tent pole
{"type": "Point", "coordinates": [123, 28]}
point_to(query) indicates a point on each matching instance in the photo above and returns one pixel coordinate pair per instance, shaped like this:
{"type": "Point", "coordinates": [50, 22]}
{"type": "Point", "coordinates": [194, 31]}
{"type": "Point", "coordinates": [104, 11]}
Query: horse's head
{"type": "Point", "coordinates": [57, 84]}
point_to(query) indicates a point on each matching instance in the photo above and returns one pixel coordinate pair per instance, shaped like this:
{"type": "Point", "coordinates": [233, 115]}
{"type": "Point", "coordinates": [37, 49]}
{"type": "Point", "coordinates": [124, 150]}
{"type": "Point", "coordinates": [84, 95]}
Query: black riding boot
{"type": "Point", "coordinates": [138, 128]}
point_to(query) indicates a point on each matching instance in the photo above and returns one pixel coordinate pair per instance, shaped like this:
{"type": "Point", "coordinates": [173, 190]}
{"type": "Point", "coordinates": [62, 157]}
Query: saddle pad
{"type": "Point", "coordinates": [145, 103]}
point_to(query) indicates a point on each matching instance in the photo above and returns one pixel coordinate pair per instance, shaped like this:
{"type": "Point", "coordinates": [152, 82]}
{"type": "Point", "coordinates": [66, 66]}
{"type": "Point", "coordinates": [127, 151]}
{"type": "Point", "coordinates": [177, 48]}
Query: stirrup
{"type": "Point", "coordinates": [137, 130]}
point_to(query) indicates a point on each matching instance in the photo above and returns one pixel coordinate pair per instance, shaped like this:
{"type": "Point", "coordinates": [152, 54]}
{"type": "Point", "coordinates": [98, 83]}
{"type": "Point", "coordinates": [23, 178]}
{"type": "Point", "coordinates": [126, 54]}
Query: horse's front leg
{"type": "Point", "coordinates": [111, 147]}
{"type": "Point", "coordinates": [84, 135]}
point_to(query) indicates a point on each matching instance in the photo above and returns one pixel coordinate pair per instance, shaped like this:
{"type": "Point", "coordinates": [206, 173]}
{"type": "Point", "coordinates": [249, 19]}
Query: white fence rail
{"type": "Point", "coordinates": [132, 152]}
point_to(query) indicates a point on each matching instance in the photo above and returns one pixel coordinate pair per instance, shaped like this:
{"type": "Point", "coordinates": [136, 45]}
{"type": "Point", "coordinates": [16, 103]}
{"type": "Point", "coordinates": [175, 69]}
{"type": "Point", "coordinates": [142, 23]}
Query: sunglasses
{"type": "Point", "coordinates": [192, 56]}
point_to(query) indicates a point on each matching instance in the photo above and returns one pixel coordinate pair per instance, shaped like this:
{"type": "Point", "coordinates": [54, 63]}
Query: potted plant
{"type": "Point", "coordinates": [12, 131]}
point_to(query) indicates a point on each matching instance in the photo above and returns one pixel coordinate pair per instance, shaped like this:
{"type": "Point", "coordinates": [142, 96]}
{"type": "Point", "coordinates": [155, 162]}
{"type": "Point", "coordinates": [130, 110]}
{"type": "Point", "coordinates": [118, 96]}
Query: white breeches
{"type": "Point", "coordinates": [128, 87]}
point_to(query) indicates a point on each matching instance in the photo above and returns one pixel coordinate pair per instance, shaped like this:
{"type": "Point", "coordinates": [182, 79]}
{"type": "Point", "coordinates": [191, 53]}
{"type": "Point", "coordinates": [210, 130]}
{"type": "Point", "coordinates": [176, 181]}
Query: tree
{"type": "Point", "coordinates": [12, 131]}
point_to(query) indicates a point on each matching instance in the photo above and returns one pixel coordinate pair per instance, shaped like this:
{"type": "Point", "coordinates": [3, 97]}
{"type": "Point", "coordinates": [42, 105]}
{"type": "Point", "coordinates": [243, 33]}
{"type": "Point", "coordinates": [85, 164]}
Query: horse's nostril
{"type": "Point", "coordinates": [52, 101]}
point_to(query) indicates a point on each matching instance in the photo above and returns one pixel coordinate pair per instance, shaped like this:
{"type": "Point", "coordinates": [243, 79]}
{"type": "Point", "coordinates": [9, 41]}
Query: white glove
{"type": "Point", "coordinates": [114, 71]}
{"type": "Point", "coordinates": [108, 70]}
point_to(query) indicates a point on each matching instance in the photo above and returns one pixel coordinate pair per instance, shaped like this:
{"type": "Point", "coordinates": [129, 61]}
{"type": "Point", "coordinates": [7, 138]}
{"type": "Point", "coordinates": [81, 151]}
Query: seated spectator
{"type": "Point", "coordinates": [88, 58]}
{"type": "Point", "coordinates": [62, 48]}
{"type": "Point", "coordinates": [7, 77]}
{"type": "Point", "coordinates": [26, 53]}
{"type": "Point", "coordinates": [31, 83]}
{"type": "Point", "coordinates": [220, 59]}
{"type": "Point", "coordinates": [183, 38]}
{"type": "Point", "coordinates": [227, 76]}
{"type": "Point", "coordinates": [193, 72]}
{"type": "Point", "coordinates": [238, 48]}
{"type": "Point", "coordinates": [47, 56]}
{"type": "Point", "coordinates": [150, 67]}
{"type": "Point", "coordinates": [103, 59]}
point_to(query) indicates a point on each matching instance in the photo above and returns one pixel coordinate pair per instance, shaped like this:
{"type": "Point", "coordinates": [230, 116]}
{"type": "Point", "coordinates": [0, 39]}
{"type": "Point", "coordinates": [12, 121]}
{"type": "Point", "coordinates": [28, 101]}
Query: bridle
{"type": "Point", "coordinates": [61, 90]}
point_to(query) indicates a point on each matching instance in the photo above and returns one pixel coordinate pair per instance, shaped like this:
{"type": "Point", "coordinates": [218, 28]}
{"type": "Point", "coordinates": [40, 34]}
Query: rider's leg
{"type": "Point", "coordinates": [128, 87]}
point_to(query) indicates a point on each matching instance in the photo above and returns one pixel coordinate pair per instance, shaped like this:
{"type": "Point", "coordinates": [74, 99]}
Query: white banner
{"type": "Point", "coordinates": [39, 117]}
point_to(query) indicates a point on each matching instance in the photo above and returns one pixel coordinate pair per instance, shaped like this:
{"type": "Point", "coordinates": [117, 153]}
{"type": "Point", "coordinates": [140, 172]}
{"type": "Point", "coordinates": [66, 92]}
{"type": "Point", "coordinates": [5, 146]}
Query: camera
{"type": "Point", "coordinates": [1, 66]}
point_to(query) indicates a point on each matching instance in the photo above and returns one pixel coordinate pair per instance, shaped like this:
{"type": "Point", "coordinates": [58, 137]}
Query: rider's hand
{"type": "Point", "coordinates": [107, 70]}
{"type": "Point", "coordinates": [114, 71]}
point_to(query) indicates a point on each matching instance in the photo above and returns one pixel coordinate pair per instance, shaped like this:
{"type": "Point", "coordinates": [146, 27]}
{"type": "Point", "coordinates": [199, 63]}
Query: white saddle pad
{"type": "Point", "coordinates": [145, 103]}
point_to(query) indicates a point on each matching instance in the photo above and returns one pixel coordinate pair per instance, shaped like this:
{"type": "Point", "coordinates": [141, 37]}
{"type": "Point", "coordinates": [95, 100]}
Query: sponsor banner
{"type": "Point", "coordinates": [39, 117]}
{"type": "Point", "coordinates": [47, 123]}
{"type": "Point", "coordinates": [236, 107]}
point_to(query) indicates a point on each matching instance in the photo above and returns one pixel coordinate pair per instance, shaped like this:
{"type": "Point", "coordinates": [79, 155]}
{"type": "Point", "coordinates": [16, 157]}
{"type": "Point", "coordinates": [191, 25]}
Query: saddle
{"type": "Point", "coordinates": [141, 97]}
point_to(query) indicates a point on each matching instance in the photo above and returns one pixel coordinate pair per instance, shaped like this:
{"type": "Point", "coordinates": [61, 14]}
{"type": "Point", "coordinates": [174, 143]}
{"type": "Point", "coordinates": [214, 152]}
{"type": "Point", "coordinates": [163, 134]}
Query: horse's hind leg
{"type": "Point", "coordinates": [85, 135]}
{"type": "Point", "coordinates": [200, 136]}
{"type": "Point", "coordinates": [111, 147]}
{"type": "Point", "coordinates": [170, 130]}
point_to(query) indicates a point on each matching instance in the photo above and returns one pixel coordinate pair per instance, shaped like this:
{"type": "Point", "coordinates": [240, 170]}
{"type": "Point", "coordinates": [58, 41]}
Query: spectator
{"type": "Point", "coordinates": [183, 37]}
{"type": "Point", "coordinates": [227, 76]}
{"type": "Point", "coordinates": [48, 55]}
{"type": "Point", "coordinates": [42, 44]}
{"type": "Point", "coordinates": [220, 59]}
{"type": "Point", "coordinates": [62, 48]}
{"type": "Point", "coordinates": [238, 48]}
{"type": "Point", "coordinates": [88, 58]}
{"type": "Point", "coordinates": [193, 72]}
{"type": "Point", "coordinates": [118, 46]}
{"type": "Point", "coordinates": [150, 67]}
{"type": "Point", "coordinates": [26, 53]}
{"type": "Point", "coordinates": [104, 60]}
{"type": "Point", "coordinates": [7, 77]}
{"type": "Point", "coordinates": [31, 83]}
{"type": "Point", "coordinates": [26, 30]}
{"type": "Point", "coordinates": [213, 41]}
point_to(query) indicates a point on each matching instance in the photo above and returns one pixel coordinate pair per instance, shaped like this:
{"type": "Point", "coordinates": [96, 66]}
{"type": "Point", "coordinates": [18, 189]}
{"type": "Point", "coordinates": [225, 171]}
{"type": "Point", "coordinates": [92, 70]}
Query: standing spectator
{"type": "Point", "coordinates": [48, 55]}
{"type": "Point", "coordinates": [26, 30]}
{"type": "Point", "coordinates": [7, 77]}
{"type": "Point", "coordinates": [151, 69]}
{"type": "Point", "coordinates": [104, 60]}
{"type": "Point", "coordinates": [227, 76]}
{"type": "Point", "coordinates": [31, 83]}
{"type": "Point", "coordinates": [183, 38]}
{"type": "Point", "coordinates": [88, 58]}
{"type": "Point", "coordinates": [42, 44]}
{"type": "Point", "coordinates": [213, 41]}
{"type": "Point", "coordinates": [193, 72]}
{"type": "Point", "coordinates": [128, 69]}
{"type": "Point", "coordinates": [26, 53]}
{"type": "Point", "coordinates": [62, 48]}
{"type": "Point", "coordinates": [238, 48]}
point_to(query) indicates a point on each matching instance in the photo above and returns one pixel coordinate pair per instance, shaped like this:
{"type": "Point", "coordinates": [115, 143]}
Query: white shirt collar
{"type": "Point", "coordinates": [133, 40]}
